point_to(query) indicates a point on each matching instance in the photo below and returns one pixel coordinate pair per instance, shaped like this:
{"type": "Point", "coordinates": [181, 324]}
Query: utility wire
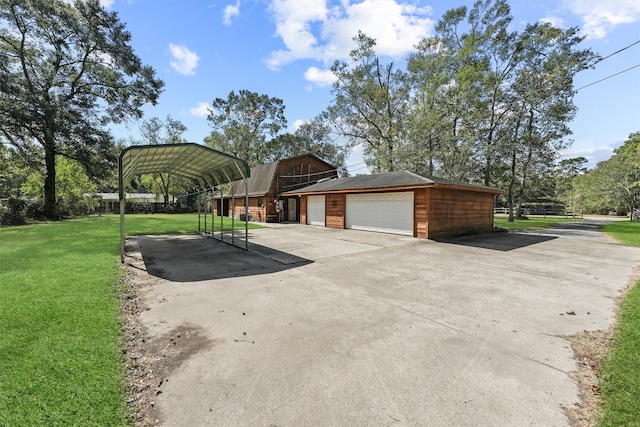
{"type": "Point", "coordinates": [617, 52]}
{"type": "Point", "coordinates": [608, 77]}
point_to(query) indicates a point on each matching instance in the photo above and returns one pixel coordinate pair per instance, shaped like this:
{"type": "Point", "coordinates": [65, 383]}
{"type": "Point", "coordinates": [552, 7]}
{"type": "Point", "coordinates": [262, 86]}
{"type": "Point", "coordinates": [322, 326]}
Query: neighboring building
{"type": "Point", "coordinates": [400, 203]}
{"type": "Point", "coordinates": [266, 184]}
{"type": "Point", "coordinates": [110, 202]}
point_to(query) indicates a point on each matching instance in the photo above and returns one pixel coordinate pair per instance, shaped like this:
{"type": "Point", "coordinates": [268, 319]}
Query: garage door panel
{"type": "Point", "coordinates": [382, 212]}
{"type": "Point", "coordinates": [316, 210]}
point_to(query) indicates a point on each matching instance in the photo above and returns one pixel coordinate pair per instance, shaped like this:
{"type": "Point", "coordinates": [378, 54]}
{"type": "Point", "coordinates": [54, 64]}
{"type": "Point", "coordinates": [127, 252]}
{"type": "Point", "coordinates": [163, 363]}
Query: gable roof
{"type": "Point", "coordinates": [389, 180]}
{"type": "Point", "coordinates": [263, 175]}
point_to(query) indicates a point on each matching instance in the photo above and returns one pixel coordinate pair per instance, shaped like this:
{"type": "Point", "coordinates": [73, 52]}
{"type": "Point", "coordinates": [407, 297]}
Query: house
{"type": "Point", "coordinates": [266, 184]}
{"type": "Point", "coordinates": [400, 202]}
{"type": "Point", "coordinates": [109, 202]}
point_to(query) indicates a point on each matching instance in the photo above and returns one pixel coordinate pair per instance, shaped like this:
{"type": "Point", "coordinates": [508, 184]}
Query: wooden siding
{"type": "Point", "coordinates": [421, 213]}
{"type": "Point", "coordinates": [305, 166]}
{"type": "Point", "coordinates": [456, 212]}
{"type": "Point", "coordinates": [303, 209]}
{"type": "Point", "coordinates": [335, 210]}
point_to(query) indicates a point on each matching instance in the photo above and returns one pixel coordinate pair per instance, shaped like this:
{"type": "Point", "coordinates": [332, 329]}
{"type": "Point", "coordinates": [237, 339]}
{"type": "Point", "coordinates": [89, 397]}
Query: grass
{"type": "Point", "coordinates": [620, 375]}
{"type": "Point", "coordinates": [532, 223]}
{"type": "Point", "coordinates": [60, 349]}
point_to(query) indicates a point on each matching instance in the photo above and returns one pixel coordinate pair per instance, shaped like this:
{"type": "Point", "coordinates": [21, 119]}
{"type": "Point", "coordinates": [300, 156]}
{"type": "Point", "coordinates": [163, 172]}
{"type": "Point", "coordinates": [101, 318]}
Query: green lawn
{"type": "Point", "coordinates": [621, 371]}
{"type": "Point", "coordinates": [532, 223]}
{"type": "Point", "coordinates": [60, 348]}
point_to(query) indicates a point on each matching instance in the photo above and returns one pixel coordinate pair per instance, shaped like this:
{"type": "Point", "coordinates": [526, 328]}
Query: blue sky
{"type": "Point", "coordinates": [204, 49]}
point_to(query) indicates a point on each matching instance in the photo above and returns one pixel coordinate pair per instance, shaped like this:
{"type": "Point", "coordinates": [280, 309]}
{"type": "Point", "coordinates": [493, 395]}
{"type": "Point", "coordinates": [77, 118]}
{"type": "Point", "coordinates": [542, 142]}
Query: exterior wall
{"type": "Point", "coordinates": [335, 209]}
{"type": "Point", "coordinates": [265, 213]}
{"type": "Point", "coordinates": [421, 199]}
{"type": "Point", "coordinates": [437, 212]}
{"type": "Point", "coordinates": [303, 209]}
{"type": "Point", "coordinates": [456, 212]}
{"type": "Point", "coordinates": [307, 166]}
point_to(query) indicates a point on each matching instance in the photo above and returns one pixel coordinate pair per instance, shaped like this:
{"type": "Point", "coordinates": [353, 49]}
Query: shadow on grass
{"type": "Point", "coordinates": [499, 241]}
{"type": "Point", "coordinates": [192, 258]}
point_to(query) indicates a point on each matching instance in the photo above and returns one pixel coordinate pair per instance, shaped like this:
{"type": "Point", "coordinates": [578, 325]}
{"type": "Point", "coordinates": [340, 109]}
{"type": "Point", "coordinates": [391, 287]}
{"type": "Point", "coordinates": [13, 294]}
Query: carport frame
{"type": "Point", "coordinates": [204, 166]}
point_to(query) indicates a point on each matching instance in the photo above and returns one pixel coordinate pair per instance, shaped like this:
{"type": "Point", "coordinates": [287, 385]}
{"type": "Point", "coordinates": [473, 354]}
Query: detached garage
{"type": "Point", "coordinates": [401, 202]}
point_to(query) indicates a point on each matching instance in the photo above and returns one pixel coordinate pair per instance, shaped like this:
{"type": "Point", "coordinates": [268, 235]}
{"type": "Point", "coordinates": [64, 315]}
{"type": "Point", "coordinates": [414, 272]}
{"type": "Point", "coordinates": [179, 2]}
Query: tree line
{"type": "Point", "coordinates": [478, 102]}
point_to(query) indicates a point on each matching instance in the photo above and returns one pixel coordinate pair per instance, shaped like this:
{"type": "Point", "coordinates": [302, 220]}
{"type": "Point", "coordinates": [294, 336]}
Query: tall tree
{"type": "Point", "coordinates": [370, 104]}
{"type": "Point", "coordinates": [615, 183]}
{"type": "Point", "coordinates": [156, 132]}
{"type": "Point", "coordinates": [66, 70]}
{"type": "Point", "coordinates": [243, 122]}
{"type": "Point", "coordinates": [311, 137]}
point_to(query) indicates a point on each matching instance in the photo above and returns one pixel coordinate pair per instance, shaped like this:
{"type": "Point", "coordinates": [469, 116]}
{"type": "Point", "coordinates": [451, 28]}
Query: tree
{"type": "Point", "coordinates": [242, 124]}
{"type": "Point", "coordinates": [156, 132]}
{"type": "Point", "coordinates": [371, 104]}
{"type": "Point", "coordinates": [568, 170]}
{"type": "Point", "coordinates": [312, 137]}
{"type": "Point", "coordinates": [66, 70]}
{"type": "Point", "coordinates": [492, 105]}
{"type": "Point", "coordinates": [73, 185]}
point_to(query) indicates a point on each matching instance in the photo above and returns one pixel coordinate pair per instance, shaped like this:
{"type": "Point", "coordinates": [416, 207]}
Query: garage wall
{"type": "Point", "coordinates": [421, 212]}
{"type": "Point", "coordinates": [303, 209]}
{"type": "Point", "coordinates": [335, 212]}
{"type": "Point", "coordinates": [455, 212]}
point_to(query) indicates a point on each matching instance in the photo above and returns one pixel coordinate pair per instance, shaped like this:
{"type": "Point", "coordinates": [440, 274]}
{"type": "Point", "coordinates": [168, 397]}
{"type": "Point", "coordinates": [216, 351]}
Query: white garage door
{"type": "Point", "coordinates": [315, 210]}
{"type": "Point", "coordinates": [384, 212]}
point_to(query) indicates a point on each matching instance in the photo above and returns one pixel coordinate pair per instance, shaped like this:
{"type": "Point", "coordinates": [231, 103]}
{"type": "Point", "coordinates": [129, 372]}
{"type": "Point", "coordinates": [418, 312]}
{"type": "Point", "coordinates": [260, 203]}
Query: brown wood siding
{"type": "Point", "coordinates": [421, 213]}
{"type": "Point", "coordinates": [335, 207]}
{"type": "Point", "coordinates": [305, 165]}
{"type": "Point", "coordinates": [303, 209]}
{"type": "Point", "coordinates": [455, 212]}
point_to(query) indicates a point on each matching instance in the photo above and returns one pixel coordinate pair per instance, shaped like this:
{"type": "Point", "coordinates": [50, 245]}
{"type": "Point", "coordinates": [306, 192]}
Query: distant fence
{"type": "Point", "coordinates": [543, 210]}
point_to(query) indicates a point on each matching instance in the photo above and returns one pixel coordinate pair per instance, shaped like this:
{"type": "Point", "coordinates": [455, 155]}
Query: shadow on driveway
{"type": "Point", "coordinates": [499, 241]}
{"type": "Point", "coordinates": [192, 258]}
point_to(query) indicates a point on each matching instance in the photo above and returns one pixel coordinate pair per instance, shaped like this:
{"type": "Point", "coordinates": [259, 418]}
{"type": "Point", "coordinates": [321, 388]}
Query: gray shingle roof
{"type": "Point", "coordinates": [385, 180]}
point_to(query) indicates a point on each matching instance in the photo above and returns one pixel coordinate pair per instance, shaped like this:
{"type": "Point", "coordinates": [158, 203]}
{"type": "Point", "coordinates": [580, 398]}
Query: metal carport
{"type": "Point", "coordinates": [204, 166]}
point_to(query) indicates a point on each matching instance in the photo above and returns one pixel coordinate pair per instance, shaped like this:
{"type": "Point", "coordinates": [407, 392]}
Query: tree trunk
{"type": "Point", "coordinates": [50, 207]}
{"type": "Point", "coordinates": [512, 184]}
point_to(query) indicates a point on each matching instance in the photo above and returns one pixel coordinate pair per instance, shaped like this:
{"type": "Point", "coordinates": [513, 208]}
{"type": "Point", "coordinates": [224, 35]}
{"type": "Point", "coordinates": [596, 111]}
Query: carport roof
{"type": "Point", "coordinates": [203, 165]}
{"type": "Point", "coordinates": [390, 180]}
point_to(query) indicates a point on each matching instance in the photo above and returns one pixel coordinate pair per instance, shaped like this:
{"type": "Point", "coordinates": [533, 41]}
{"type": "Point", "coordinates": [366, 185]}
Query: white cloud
{"type": "Point", "coordinates": [555, 21]}
{"type": "Point", "coordinates": [231, 11]}
{"type": "Point", "coordinates": [319, 77]}
{"type": "Point", "coordinates": [599, 16]}
{"type": "Point", "coordinates": [106, 3]}
{"type": "Point", "coordinates": [594, 155]}
{"type": "Point", "coordinates": [323, 31]}
{"type": "Point", "coordinates": [201, 110]}
{"type": "Point", "coordinates": [184, 60]}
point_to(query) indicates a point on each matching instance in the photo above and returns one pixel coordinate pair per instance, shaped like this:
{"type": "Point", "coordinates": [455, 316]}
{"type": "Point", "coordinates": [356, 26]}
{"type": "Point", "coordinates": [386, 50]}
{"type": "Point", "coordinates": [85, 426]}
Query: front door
{"type": "Point", "coordinates": [292, 211]}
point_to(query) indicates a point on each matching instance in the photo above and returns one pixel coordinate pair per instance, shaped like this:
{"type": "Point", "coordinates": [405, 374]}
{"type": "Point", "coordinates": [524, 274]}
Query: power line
{"type": "Point", "coordinates": [617, 52]}
{"type": "Point", "coordinates": [608, 77]}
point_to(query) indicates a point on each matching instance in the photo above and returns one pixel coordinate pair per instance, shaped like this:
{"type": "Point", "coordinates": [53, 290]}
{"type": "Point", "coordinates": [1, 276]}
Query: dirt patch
{"type": "Point", "coordinates": [150, 361]}
{"type": "Point", "coordinates": [590, 349]}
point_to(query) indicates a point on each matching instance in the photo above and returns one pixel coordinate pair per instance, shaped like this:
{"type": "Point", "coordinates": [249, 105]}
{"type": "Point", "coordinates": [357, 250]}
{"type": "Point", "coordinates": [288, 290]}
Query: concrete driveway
{"type": "Point", "coordinates": [323, 327]}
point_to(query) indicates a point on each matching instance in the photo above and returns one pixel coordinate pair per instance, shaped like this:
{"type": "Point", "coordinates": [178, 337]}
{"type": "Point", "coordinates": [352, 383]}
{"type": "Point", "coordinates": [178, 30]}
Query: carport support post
{"type": "Point", "coordinates": [122, 204]}
{"type": "Point", "coordinates": [204, 210]}
{"type": "Point", "coordinates": [221, 211]}
{"type": "Point", "coordinates": [213, 200]}
{"type": "Point", "coordinates": [233, 208]}
{"type": "Point", "coordinates": [198, 204]}
{"type": "Point", "coordinates": [246, 205]}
